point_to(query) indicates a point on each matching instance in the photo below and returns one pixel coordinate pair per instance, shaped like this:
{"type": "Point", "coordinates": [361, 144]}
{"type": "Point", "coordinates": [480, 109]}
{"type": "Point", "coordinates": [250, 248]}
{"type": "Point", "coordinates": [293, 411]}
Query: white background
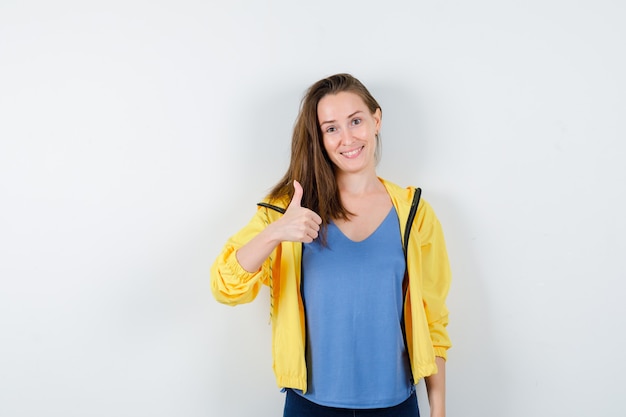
{"type": "Point", "coordinates": [136, 136]}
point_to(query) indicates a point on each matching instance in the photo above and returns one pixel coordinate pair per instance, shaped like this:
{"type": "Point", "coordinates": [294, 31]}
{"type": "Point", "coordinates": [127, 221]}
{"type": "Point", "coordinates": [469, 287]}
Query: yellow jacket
{"type": "Point", "coordinates": [425, 312]}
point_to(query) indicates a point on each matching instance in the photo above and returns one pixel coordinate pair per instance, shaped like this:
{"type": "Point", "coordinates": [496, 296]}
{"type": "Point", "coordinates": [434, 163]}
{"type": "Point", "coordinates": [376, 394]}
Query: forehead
{"type": "Point", "coordinates": [338, 105]}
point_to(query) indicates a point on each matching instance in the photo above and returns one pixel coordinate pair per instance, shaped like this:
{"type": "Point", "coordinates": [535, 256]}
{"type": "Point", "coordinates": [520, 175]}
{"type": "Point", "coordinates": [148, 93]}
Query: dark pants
{"type": "Point", "coordinates": [298, 406]}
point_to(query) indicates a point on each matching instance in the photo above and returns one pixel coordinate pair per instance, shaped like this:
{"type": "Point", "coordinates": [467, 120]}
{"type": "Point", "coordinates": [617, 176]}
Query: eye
{"type": "Point", "coordinates": [356, 121]}
{"type": "Point", "coordinates": [331, 129]}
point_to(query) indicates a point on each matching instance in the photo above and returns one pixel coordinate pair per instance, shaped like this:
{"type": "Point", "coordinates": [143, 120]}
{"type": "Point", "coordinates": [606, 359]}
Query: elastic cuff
{"type": "Point", "coordinates": [441, 352]}
{"type": "Point", "coordinates": [236, 267]}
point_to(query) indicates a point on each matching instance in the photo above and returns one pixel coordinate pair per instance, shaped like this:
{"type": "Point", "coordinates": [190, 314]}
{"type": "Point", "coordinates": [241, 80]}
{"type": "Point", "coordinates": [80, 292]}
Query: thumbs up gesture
{"type": "Point", "coordinates": [299, 224]}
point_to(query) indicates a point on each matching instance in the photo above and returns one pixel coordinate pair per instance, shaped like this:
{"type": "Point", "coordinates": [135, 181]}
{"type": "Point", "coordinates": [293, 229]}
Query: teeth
{"type": "Point", "coordinates": [352, 153]}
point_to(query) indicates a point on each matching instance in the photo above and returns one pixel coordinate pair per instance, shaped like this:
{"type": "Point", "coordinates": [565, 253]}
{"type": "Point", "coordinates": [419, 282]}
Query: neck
{"type": "Point", "coordinates": [358, 183]}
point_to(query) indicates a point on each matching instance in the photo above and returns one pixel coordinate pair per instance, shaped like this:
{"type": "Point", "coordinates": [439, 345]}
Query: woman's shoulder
{"type": "Point", "coordinates": [397, 191]}
{"type": "Point", "coordinates": [276, 204]}
{"type": "Point", "coordinates": [404, 197]}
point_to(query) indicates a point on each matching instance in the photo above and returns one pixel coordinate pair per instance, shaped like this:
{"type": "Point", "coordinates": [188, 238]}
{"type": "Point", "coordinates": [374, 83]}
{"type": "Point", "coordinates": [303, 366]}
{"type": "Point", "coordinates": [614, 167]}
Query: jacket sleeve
{"type": "Point", "coordinates": [436, 277]}
{"type": "Point", "coordinates": [230, 283]}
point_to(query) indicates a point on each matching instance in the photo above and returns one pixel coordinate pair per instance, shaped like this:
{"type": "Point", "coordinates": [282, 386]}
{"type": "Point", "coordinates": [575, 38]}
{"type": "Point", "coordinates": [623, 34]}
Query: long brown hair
{"type": "Point", "coordinates": [310, 164]}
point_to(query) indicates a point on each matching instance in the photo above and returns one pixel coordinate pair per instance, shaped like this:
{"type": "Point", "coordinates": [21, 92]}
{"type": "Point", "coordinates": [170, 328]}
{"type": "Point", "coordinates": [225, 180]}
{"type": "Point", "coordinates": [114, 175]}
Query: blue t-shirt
{"type": "Point", "coordinates": [352, 291]}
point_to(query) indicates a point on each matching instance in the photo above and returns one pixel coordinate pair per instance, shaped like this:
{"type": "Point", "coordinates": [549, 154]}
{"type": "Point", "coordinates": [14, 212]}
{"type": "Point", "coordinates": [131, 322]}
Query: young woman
{"type": "Point", "coordinates": [357, 269]}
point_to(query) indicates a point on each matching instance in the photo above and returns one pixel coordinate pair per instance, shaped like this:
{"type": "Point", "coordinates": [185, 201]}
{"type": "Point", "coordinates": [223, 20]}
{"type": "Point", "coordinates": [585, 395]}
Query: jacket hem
{"type": "Point", "coordinates": [292, 382]}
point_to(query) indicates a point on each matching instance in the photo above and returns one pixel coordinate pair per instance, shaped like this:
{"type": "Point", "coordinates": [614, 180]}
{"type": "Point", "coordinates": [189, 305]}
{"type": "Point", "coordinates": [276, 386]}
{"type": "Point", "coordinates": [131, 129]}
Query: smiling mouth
{"type": "Point", "coordinates": [352, 153]}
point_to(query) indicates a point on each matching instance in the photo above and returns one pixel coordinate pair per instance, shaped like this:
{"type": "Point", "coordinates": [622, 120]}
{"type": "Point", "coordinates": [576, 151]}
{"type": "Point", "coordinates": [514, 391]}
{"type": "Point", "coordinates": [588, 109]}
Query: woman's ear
{"type": "Point", "coordinates": [378, 118]}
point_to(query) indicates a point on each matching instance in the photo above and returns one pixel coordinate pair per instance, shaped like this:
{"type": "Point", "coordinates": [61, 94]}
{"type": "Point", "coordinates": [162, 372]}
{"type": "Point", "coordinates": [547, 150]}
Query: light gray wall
{"type": "Point", "coordinates": [136, 136]}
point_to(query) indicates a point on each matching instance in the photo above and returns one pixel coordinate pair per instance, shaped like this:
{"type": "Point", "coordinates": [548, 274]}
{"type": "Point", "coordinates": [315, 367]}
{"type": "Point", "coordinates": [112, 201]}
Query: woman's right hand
{"type": "Point", "coordinates": [298, 224]}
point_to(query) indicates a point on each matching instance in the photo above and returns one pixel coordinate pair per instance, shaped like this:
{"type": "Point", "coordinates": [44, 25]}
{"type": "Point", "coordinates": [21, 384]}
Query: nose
{"type": "Point", "coordinates": [346, 137]}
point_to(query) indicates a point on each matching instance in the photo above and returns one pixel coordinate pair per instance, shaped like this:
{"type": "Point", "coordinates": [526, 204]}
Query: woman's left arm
{"type": "Point", "coordinates": [436, 387]}
{"type": "Point", "coordinates": [435, 285]}
{"type": "Point", "coordinates": [436, 277]}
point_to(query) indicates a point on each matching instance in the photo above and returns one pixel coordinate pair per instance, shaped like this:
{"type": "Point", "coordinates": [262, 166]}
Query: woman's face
{"type": "Point", "coordinates": [349, 131]}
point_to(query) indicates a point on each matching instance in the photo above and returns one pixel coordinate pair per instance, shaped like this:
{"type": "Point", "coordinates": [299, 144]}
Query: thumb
{"type": "Point", "coordinates": [297, 194]}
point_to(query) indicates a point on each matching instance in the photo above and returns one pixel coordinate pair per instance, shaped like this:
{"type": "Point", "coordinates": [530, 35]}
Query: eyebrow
{"type": "Point", "coordinates": [349, 116]}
